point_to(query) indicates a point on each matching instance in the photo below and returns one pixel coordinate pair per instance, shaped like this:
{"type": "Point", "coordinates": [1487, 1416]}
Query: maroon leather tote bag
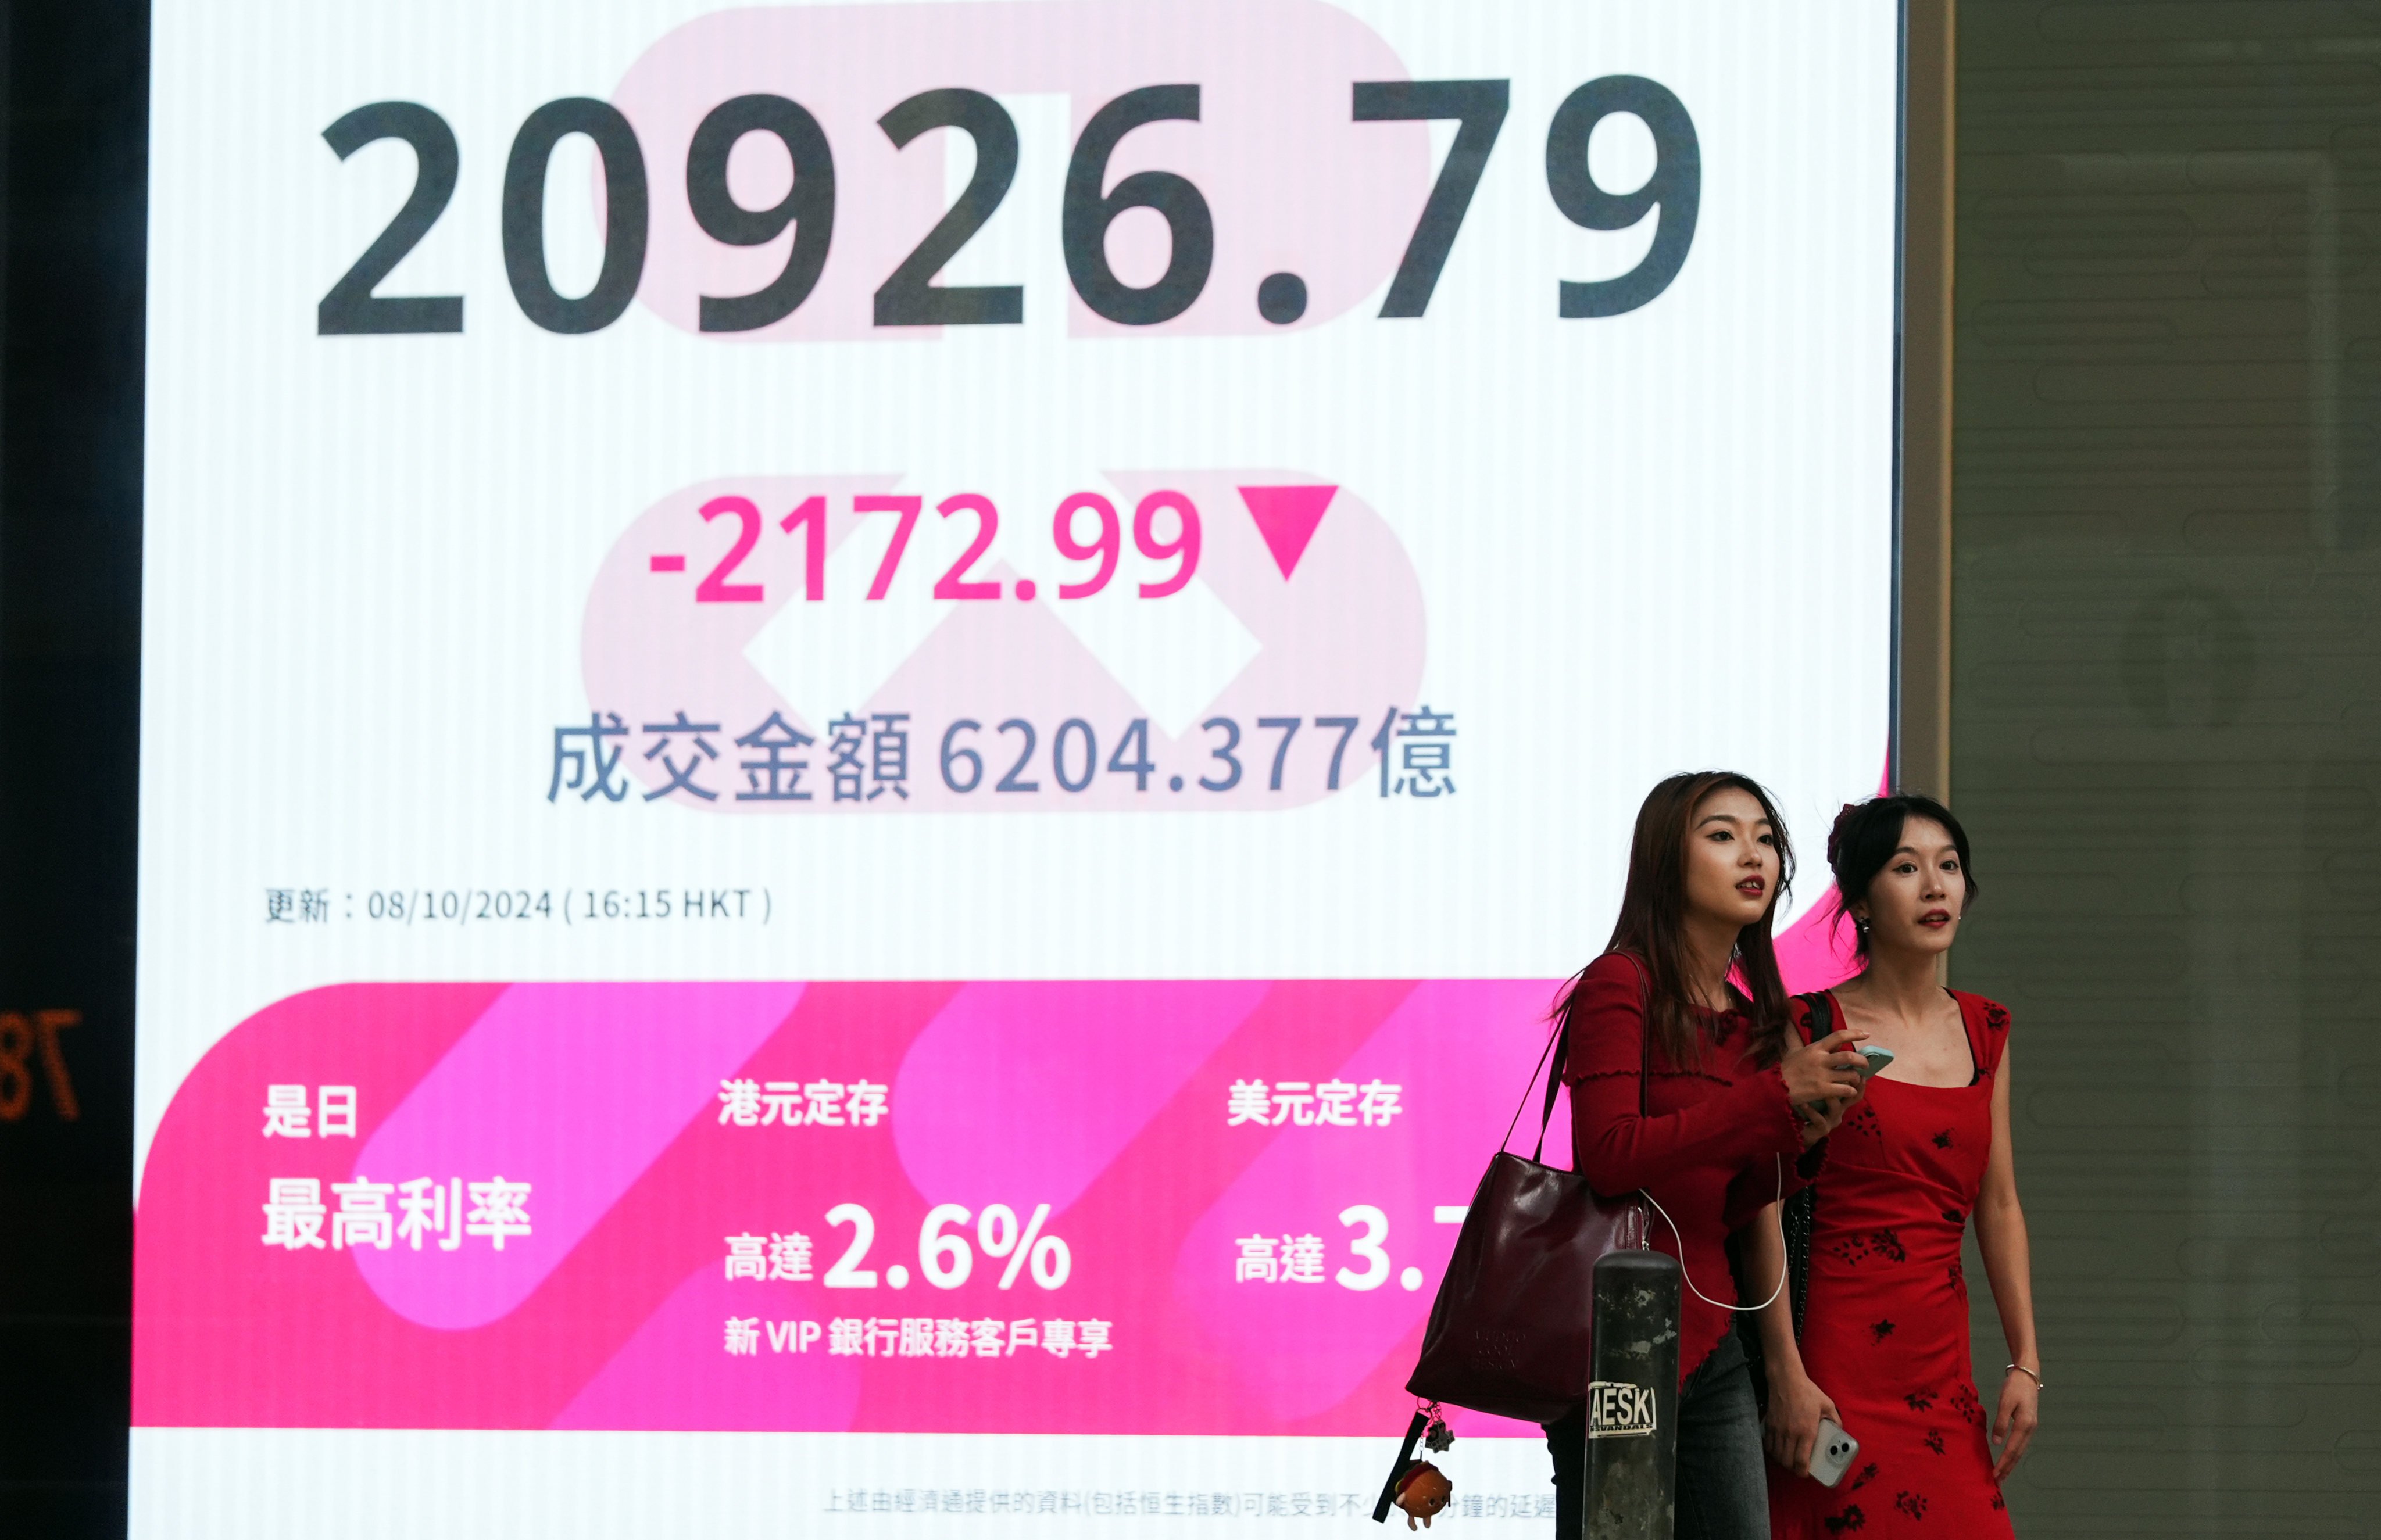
{"type": "Point", "coordinates": [1509, 1332]}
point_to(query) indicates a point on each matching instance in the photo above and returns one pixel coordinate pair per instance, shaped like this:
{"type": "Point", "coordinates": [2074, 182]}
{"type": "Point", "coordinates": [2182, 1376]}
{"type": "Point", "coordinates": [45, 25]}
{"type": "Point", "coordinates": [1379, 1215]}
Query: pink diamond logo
{"type": "Point", "coordinates": [1287, 518]}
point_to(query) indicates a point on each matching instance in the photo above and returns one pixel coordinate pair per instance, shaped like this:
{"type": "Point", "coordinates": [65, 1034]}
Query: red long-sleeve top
{"type": "Point", "coordinates": [1705, 1127]}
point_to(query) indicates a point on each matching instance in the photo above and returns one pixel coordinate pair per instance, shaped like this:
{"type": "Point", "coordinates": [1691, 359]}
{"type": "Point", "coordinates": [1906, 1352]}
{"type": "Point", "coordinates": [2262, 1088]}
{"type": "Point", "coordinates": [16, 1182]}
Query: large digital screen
{"type": "Point", "coordinates": [872, 733]}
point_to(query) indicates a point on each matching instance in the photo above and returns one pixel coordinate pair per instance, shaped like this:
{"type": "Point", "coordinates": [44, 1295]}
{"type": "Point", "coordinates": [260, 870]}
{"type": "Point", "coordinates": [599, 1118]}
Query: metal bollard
{"type": "Point", "coordinates": [1632, 1399]}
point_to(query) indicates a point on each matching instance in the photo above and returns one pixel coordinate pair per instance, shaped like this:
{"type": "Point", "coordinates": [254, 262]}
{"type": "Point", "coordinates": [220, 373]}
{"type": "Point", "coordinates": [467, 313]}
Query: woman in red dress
{"type": "Point", "coordinates": [1883, 1345]}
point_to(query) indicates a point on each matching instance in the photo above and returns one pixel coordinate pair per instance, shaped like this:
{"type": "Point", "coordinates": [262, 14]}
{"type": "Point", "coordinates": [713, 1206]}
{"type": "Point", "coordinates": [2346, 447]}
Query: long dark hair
{"type": "Point", "coordinates": [1864, 838]}
{"type": "Point", "coordinates": [1652, 926]}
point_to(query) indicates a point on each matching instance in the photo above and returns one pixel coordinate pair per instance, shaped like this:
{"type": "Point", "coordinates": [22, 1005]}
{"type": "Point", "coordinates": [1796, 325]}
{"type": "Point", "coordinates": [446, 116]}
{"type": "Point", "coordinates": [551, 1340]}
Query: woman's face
{"type": "Point", "coordinates": [1732, 866]}
{"type": "Point", "coordinates": [1914, 903]}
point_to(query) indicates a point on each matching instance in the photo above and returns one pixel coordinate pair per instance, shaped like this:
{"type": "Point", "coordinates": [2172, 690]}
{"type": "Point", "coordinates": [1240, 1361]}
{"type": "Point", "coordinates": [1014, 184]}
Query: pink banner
{"type": "Point", "coordinates": [1102, 1208]}
{"type": "Point", "coordinates": [1217, 1208]}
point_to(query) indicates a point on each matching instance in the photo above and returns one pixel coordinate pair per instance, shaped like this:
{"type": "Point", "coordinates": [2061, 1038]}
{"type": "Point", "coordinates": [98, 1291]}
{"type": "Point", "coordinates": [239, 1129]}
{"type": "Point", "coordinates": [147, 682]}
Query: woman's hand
{"type": "Point", "coordinates": [2013, 1424]}
{"type": "Point", "coordinates": [1822, 1080]}
{"type": "Point", "coordinates": [1791, 1429]}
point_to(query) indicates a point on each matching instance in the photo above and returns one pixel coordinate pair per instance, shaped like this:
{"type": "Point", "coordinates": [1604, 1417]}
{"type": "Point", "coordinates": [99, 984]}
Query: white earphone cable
{"type": "Point", "coordinates": [1742, 1309]}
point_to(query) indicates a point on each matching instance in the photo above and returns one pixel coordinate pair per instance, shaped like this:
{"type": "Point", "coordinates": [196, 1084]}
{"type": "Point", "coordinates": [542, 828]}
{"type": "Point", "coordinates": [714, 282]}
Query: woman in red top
{"type": "Point", "coordinates": [1705, 868]}
{"type": "Point", "coordinates": [1884, 1348]}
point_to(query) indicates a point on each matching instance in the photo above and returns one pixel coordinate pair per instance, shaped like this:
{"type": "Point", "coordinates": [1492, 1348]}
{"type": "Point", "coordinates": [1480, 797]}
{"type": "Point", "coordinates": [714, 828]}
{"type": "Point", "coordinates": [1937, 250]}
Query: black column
{"type": "Point", "coordinates": [74, 180]}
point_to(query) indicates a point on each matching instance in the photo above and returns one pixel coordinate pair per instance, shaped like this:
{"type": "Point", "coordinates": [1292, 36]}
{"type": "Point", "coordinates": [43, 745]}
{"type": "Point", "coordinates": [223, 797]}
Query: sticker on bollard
{"type": "Point", "coordinates": [1633, 1398]}
{"type": "Point", "coordinates": [1617, 1409]}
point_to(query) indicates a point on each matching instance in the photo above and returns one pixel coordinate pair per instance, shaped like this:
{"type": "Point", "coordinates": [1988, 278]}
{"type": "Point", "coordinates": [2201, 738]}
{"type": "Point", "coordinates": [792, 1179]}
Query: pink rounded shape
{"type": "Point", "coordinates": [1291, 179]}
{"type": "Point", "coordinates": [1315, 574]}
{"type": "Point", "coordinates": [1025, 588]}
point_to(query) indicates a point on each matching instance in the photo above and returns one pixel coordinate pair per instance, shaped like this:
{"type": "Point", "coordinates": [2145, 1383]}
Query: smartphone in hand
{"type": "Point", "coordinates": [1872, 1060]}
{"type": "Point", "coordinates": [1833, 1454]}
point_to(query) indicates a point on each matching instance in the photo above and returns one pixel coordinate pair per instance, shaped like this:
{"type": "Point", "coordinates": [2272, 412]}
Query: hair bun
{"type": "Point", "coordinates": [1835, 832]}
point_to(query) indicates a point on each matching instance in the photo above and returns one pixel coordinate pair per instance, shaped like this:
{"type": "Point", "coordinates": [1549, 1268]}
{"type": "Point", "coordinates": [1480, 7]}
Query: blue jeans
{"type": "Point", "coordinates": [1723, 1490]}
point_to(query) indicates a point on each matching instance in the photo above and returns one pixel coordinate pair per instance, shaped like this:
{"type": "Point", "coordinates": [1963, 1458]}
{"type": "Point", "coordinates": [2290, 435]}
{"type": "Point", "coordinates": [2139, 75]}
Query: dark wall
{"type": "Point", "coordinates": [2167, 737]}
{"type": "Point", "coordinates": [76, 78]}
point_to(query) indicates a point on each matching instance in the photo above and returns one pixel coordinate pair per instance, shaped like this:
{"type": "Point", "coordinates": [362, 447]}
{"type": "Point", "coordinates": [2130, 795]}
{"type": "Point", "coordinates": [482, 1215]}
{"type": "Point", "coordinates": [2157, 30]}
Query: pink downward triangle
{"type": "Point", "coordinates": [1287, 518]}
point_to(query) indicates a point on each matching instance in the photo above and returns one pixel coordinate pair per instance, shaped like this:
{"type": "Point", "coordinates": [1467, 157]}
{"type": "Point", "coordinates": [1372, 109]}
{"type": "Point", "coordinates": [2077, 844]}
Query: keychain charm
{"type": "Point", "coordinates": [1418, 1486]}
{"type": "Point", "coordinates": [1423, 1492]}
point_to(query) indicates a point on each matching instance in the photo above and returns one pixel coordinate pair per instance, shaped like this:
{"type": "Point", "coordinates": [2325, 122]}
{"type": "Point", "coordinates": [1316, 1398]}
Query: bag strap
{"type": "Point", "coordinates": [1558, 1048]}
{"type": "Point", "coordinates": [1822, 1014]}
{"type": "Point", "coordinates": [1797, 1212]}
{"type": "Point", "coordinates": [1819, 1015]}
{"type": "Point", "coordinates": [1558, 1045]}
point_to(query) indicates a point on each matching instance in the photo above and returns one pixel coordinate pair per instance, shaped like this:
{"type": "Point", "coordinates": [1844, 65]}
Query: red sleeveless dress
{"type": "Point", "coordinates": [1885, 1331]}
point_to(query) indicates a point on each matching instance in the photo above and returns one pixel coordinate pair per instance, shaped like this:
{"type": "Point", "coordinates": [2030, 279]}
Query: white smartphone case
{"type": "Point", "coordinates": [1833, 1454]}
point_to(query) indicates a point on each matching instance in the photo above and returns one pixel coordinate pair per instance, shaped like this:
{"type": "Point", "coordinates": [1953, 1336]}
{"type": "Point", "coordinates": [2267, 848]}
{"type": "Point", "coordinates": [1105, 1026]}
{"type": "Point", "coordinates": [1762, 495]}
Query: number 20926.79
{"type": "Point", "coordinates": [908, 296]}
